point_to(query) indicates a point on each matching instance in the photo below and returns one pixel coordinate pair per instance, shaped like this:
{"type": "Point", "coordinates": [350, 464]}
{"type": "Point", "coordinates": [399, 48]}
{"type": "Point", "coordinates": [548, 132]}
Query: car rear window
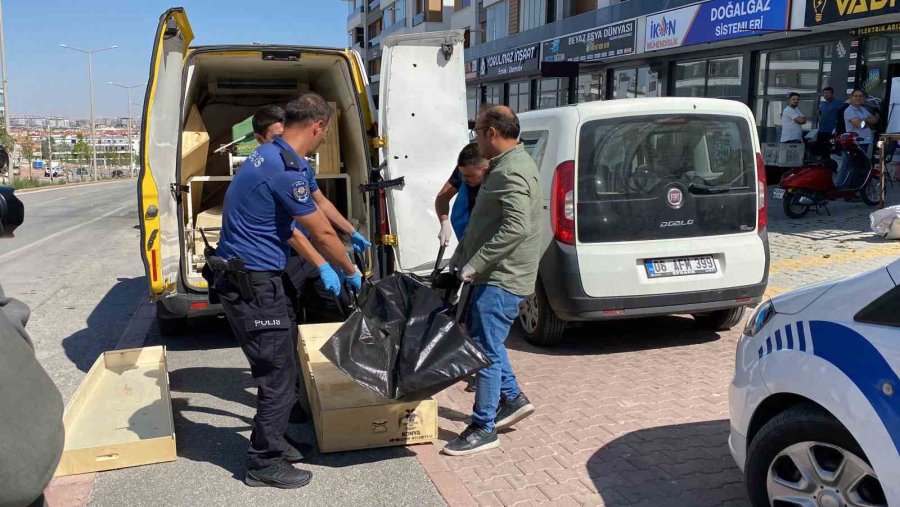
{"type": "Point", "coordinates": [654, 177]}
{"type": "Point", "coordinates": [636, 157]}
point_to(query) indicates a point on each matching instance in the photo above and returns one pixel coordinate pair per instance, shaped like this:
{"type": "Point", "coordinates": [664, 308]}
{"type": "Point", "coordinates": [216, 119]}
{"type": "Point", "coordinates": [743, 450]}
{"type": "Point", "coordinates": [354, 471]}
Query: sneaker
{"type": "Point", "coordinates": [512, 411]}
{"type": "Point", "coordinates": [291, 454]}
{"type": "Point", "coordinates": [279, 475]}
{"type": "Point", "coordinates": [473, 439]}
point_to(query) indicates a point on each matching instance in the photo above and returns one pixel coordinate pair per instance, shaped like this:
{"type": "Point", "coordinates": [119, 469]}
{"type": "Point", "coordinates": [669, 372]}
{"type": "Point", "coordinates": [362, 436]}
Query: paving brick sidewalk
{"type": "Point", "coordinates": [635, 413]}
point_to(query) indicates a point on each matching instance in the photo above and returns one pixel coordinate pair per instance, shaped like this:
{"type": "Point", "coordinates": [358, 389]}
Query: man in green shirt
{"type": "Point", "coordinates": [499, 256]}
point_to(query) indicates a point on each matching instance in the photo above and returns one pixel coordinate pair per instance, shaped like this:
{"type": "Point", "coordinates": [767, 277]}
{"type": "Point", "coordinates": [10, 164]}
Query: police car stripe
{"type": "Point", "coordinates": [777, 339]}
{"type": "Point", "coordinates": [768, 345]}
{"type": "Point", "coordinates": [801, 336]}
{"type": "Point", "coordinates": [789, 335]}
{"type": "Point", "coordinates": [865, 367]}
{"type": "Point", "coordinates": [760, 352]}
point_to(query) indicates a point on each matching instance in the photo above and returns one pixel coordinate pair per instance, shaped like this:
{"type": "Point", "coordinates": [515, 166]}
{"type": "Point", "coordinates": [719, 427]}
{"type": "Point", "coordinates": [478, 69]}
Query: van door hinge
{"type": "Point", "coordinates": [389, 239]}
{"type": "Point", "coordinates": [177, 190]}
{"type": "Point", "coordinates": [380, 142]}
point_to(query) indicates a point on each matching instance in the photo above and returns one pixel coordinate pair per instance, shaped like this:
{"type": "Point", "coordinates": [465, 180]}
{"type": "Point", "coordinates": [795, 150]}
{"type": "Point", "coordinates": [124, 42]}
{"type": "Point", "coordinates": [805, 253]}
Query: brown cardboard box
{"type": "Point", "coordinates": [348, 416]}
{"type": "Point", "coordinates": [330, 150]}
{"type": "Point", "coordinates": [121, 415]}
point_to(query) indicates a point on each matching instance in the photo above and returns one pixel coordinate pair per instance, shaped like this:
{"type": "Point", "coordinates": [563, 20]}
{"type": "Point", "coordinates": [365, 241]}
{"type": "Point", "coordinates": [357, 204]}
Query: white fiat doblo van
{"type": "Point", "coordinates": [198, 98]}
{"type": "Point", "coordinates": [654, 207]}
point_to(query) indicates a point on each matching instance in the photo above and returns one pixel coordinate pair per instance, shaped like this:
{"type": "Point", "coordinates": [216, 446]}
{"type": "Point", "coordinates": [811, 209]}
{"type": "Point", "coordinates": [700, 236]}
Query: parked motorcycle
{"type": "Point", "coordinates": [812, 185]}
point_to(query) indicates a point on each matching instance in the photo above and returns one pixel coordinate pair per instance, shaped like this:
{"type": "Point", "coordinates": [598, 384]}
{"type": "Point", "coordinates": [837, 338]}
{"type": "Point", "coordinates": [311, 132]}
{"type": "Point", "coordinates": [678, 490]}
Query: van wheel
{"type": "Point", "coordinates": [720, 320]}
{"type": "Point", "coordinates": [804, 456]}
{"type": "Point", "coordinates": [793, 208]}
{"type": "Point", "coordinates": [539, 324]}
{"type": "Point", "coordinates": [171, 327]}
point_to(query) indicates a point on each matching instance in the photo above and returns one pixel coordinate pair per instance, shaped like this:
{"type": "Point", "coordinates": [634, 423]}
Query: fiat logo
{"type": "Point", "coordinates": [675, 197]}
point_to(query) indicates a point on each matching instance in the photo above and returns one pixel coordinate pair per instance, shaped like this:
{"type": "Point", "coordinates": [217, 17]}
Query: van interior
{"type": "Point", "coordinates": [223, 88]}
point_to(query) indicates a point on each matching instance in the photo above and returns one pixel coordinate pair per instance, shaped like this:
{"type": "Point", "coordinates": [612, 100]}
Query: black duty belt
{"type": "Point", "coordinates": [264, 275]}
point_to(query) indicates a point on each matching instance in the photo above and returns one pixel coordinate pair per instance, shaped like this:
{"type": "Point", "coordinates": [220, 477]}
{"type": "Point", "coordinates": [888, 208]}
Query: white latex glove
{"type": "Point", "coordinates": [467, 273]}
{"type": "Point", "coordinates": [446, 233]}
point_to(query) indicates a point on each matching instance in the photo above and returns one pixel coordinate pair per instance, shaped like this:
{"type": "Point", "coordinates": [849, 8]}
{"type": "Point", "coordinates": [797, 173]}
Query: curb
{"type": "Point", "coordinates": [444, 479]}
{"type": "Point", "coordinates": [75, 490]}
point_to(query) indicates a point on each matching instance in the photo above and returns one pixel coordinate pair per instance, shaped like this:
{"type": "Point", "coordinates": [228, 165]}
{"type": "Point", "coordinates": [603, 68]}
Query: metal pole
{"type": "Point", "coordinates": [5, 83]}
{"type": "Point", "coordinates": [93, 135]}
{"type": "Point", "coordinates": [130, 145]}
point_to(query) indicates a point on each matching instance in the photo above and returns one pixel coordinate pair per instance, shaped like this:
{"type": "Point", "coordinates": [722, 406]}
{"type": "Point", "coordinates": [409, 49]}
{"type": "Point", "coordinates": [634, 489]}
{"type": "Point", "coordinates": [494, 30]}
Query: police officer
{"type": "Point", "coordinates": [272, 189]}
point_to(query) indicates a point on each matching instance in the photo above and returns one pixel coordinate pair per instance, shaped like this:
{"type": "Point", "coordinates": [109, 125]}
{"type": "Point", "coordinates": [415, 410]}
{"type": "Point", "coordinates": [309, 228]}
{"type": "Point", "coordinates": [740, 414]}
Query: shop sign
{"type": "Point", "coordinates": [512, 62]}
{"type": "Point", "coordinates": [820, 12]}
{"type": "Point", "coordinates": [877, 29]}
{"type": "Point", "coordinates": [605, 42]}
{"type": "Point", "coordinates": [713, 21]}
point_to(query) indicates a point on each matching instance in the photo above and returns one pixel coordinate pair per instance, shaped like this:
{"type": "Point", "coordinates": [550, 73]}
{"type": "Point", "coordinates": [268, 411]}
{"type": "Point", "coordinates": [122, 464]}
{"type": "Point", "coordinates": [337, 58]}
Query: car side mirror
{"type": "Point", "coordinates": [12, 212]}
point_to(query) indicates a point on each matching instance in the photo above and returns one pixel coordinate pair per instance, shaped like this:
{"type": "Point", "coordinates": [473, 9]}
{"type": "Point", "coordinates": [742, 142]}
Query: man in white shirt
{"type": "Point", "coordinates": [854, 116]}
{"type": "Point", "coordinates": [792, 120]}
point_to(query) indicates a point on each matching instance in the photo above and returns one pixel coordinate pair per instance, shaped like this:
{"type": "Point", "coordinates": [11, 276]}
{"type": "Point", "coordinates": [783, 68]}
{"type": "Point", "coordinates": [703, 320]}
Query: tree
{"type": "Point", "coordinates": [6, 140]}
{"type": "Point", "coordinates": [28, 147]}
{"type": "Point", "coordinates": [81, 149]}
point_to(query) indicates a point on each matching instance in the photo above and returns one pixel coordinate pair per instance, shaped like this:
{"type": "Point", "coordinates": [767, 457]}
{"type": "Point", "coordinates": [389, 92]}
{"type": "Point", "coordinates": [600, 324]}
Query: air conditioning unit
{"type": "Point", "coordinates": [257, 87]}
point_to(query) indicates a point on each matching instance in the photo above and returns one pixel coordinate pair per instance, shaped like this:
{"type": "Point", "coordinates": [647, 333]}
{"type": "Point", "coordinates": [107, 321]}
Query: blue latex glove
{"type": "Point", "coordinates": [330, 279]}
{"type": "Point", "coordinates": [355, 281]}
{"type": "Point", "coordinates": [359, 242]}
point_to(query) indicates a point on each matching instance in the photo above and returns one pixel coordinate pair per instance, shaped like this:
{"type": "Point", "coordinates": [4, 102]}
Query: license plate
{"type": "Point", "coordinates": [682, 266]}
{"type": "Point", "coordinates": [778, 193]}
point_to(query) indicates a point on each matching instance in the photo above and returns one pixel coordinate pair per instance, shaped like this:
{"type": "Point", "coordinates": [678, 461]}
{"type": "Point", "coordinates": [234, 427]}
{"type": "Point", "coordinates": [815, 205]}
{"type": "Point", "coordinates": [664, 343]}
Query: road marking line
{"type": "Point", "coordinates": [64, 231]}
{"type": "Point", "coordinates": [891, 250]}
{"type": "Point", "coordinates": [79, 195]}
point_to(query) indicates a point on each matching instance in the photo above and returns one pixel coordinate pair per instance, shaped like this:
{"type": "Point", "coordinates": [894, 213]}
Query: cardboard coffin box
{"type": "Point", "coordinates": [121, 415]}
{"type": "Point", "coordinates": [348, 416]}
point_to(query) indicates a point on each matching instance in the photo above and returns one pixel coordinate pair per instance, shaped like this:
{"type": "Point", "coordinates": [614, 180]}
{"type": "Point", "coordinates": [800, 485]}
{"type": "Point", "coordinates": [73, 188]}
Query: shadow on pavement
{"type": "Point", "coordinates": [681, 465]}
{"type": "Point", "coordinates": [105, 323]}
{"type": "Point", "coordinates": [618, 336]}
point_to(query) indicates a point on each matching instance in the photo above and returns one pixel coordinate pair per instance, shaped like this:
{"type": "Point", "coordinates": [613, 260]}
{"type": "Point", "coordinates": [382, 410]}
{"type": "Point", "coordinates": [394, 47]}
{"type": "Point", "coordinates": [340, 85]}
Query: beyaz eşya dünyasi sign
{"type": "Point", "coordinates": [607, 41]}
{"type": "Point", "coordinates": [715, 21]}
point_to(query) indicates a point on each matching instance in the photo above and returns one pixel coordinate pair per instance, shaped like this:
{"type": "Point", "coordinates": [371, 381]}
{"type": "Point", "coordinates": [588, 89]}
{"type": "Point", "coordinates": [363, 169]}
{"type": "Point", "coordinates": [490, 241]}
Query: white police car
{"type": "Point", "coordinates": [815, 401]}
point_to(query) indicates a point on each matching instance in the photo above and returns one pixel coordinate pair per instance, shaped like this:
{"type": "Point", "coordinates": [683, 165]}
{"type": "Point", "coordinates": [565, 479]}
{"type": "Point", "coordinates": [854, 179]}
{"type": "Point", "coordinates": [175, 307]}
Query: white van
{"type": "Point", "coordinates": [654, 207]}
{"type": "Point", "coordinates": [198, 97]}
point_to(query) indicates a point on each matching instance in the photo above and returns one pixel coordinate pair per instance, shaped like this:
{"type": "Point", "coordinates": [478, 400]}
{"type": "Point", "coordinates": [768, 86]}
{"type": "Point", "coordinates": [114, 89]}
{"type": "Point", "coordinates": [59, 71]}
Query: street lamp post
{"type": "Point", "coordinates": [5, 82]}
{"type": "Point", "coordinates": [130, 144]}
{"type": "Point", "coordinates": [90, 54]}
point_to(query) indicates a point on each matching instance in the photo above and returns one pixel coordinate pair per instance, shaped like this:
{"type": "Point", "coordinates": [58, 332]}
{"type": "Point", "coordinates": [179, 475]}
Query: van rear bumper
{"type": "Point", "coordinates": [179, 306]}
{"type": "Point", "coordinates": [561, 279]}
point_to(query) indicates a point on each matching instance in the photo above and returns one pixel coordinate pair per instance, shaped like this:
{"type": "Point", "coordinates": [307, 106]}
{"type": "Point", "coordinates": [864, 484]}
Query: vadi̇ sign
{"type": "Point", "coordinates": [819, 12]}
{"type": "Point", "coordinates": [714, 21]}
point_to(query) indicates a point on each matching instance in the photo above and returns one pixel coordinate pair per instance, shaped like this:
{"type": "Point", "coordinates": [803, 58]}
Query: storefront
{"type": "Point", "coordinates": [741, 50]}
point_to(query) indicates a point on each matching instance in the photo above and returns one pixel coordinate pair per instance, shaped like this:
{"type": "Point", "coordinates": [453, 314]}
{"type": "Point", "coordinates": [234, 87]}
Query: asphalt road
{"type": "Point", "coordinates": [75, 262]}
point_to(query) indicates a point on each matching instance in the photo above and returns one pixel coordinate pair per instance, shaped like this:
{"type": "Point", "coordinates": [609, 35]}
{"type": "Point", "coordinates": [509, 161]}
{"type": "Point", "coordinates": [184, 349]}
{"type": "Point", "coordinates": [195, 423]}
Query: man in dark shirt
{"type": "Point", "coordinates": [470, 169]}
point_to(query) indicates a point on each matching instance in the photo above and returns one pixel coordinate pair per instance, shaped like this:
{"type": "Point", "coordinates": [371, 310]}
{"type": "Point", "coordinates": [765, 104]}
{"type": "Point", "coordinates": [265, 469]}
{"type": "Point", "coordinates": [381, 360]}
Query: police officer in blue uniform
{"type": "Point", "coordinates": [272, 189]}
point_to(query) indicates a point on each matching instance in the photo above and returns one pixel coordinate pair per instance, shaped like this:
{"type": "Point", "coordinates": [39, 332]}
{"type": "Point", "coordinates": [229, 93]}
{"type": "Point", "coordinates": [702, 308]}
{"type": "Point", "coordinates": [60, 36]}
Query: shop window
{"type": "Point", "coordinates": [802, 70]}
{"type": "Point", "coordinates": [624, 83]}
{"type": "Point", "coordinates": [715, 78]}
{"type": "Point", "coordinates": [497, 25]}
{"type": "Point", "coordinates": [647, 83]}
{"type": "Point", "coordinates": [590, 87]}
{"type": "Point", "coordinates": [553, 92]}
{"type": "Point", "coordinates": [520, 96]}
{"type": "Point", "coordinates": [493, 95]}
{"type": "Point", "coordinates": [472, 102]}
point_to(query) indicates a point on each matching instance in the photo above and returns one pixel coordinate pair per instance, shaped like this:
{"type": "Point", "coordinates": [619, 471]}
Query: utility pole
{"type": "Point", "coordinates": [130, 144]}
{"type": "Point", "coordinates": [90, 54]}
{"type": "Point", "coordinates": [5, 83]}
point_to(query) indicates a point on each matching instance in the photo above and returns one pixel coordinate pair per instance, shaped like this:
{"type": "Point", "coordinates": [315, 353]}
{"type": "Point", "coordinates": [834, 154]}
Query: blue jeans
{"type": "Point", "coordinates": [492, 311]}
{"type": "Point", "coordinates": [845, 172]}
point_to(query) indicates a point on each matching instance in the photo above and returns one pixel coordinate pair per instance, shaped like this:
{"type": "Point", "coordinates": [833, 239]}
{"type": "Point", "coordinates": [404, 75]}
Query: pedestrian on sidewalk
{"type": "Point", "coordinates": [499, 256]}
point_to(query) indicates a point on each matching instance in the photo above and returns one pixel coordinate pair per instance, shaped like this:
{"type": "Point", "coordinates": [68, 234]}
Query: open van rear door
{"type": "Point", "coordinates": [424, 123]}
{"type": "Point", "coordinates": [160, 134]}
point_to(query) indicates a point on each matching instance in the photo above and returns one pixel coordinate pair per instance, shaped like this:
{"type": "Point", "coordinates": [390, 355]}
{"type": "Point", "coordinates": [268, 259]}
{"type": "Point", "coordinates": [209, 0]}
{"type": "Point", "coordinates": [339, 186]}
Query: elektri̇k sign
{"type": "Point", "coordinates": [714, 21]}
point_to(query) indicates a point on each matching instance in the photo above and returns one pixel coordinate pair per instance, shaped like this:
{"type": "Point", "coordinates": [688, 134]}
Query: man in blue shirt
{"type": "Point", "coordinates": [829, 110]}
{"type": "Point", "coordinates": [273, 189]}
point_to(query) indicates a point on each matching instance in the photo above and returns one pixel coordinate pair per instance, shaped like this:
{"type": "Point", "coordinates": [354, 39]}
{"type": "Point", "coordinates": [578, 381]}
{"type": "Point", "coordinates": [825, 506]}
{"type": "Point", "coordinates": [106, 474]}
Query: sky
{"type": "Point", "coordinates": [45, 79]}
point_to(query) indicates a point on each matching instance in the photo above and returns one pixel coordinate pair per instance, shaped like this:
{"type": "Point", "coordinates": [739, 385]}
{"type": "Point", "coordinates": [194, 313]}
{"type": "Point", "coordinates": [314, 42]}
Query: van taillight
{"type": "Point", "coordinates": [761, 193]}
{"type": "Point", "coordinates": [562, 203]}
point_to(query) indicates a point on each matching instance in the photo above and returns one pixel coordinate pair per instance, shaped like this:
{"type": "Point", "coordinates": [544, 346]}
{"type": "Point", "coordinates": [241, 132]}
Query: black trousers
{"type": "Point", "coordinates": [315, 303]}
{"type": "Point", "coordinates": [266, 329]}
